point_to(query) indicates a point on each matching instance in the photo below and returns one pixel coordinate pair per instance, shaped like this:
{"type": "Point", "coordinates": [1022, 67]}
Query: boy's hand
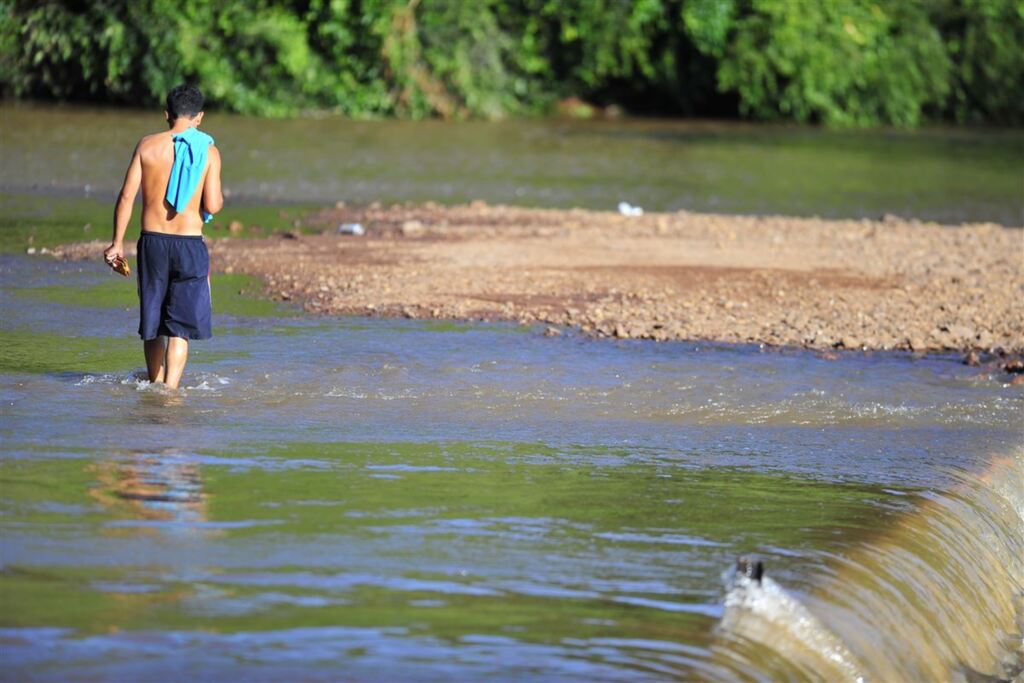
{"type": "Point", "coordinates": [113, 252]}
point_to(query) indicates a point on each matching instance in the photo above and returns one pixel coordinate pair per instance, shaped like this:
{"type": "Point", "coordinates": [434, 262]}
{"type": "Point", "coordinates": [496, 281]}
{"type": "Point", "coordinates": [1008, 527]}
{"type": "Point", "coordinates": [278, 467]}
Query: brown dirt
{"type": "Point", "coordinates": [785, 281]}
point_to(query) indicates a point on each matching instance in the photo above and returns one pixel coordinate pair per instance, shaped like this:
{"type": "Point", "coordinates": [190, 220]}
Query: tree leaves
{"type": "Point", "coordinates": [839, 62]}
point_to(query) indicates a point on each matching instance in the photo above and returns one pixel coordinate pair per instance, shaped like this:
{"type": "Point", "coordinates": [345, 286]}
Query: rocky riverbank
{"type": "Point", "coordinates": [822, 284]}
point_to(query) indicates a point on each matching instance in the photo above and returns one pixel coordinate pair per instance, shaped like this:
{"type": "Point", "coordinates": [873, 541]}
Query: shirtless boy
{"type": "Point", "coordinates": [179, 173]}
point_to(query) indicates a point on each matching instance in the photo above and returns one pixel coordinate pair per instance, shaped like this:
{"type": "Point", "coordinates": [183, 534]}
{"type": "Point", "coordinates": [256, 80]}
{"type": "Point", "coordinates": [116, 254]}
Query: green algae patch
{"type": "Point", "coordinates": [254, 221]}
{"type": "Point", "coordinates": [43, 221]}
{"type": "Point", "coordinates": [408, 501]}
{"type": "Point", "coordinates": [242, 295]}
{"type": "Point", "coordinates": [119, 293]}
{"type": "Point", "coordinates": [29, 221]}
{"type": "Point", "coordinates": [511, 481]}
{"type": "Point", "coordinates": [491, 497]}
{"type": "Point", "coordinates": [275, 330]}
{"type": "Point", "coordinates": [46, 353]}
{"type": "Point", "coordinates": [233, 294]}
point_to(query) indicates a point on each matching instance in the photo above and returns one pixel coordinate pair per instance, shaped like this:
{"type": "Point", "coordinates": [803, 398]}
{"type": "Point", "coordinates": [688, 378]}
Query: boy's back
{"type": "Point", "coordinates": [154, 156]}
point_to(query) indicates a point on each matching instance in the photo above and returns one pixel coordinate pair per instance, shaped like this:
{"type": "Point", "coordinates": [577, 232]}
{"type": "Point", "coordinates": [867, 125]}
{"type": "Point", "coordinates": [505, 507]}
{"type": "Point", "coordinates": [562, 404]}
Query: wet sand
{"type": "Point", "coordinates": [821, 284]}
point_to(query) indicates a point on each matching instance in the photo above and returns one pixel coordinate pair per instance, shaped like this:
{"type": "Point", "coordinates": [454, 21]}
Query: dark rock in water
{"type": "Point", "coordinates": [750, 568]}
{"type": "Point", "coordinates": [850, 342]}
{"type": "Point", "coordinates": [1015, 366]}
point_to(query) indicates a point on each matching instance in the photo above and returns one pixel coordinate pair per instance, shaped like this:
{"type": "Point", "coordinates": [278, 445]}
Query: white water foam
{"type": "Point", "coordinates": [764, 612]}
{"type": "Point", "coordinates": [136, 379]}
{"type": "Point", "coordinates": [200, 381]}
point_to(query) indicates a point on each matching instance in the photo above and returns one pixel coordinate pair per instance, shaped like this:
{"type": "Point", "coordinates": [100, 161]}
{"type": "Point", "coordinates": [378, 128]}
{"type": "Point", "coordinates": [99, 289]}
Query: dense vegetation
{"type": "Point", "coordinates": [840, 62]}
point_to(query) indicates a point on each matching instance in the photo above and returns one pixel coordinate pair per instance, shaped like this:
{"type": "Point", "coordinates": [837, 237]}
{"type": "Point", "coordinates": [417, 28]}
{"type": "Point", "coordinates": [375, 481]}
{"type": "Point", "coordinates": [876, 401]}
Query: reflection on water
{"type": "Point", "coordinates": [160, 486]}
{"type": "Point", "coordinates": [159, 405]}
{"type": "Point", "coordinates": [386, 499]}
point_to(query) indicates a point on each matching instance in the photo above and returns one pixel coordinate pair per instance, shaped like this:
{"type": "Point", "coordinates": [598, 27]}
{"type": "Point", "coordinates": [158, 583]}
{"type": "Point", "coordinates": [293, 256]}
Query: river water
{"type": "Point", "coordinates": [392, 500]}
{"type": "Point", "coordinates": [948, 175]}
{"type": "Point", "coordinates": [347, 498]}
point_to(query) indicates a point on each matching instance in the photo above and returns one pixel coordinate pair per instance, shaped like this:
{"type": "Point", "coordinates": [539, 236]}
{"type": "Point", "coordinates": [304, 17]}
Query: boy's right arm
{"type": "Point", "coordinates": [123, 208]}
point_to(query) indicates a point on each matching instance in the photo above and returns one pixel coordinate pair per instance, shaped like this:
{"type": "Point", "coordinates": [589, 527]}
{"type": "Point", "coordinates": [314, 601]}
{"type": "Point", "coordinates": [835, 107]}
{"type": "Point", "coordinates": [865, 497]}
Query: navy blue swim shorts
{"type": "Point", "coordinates": [174, 286]}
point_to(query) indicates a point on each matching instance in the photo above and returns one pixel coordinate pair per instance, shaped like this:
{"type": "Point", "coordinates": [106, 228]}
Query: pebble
{"type": "Point", "coordinates": [412, 229]}
{"type": "Point", "coordinates": [960, 332]}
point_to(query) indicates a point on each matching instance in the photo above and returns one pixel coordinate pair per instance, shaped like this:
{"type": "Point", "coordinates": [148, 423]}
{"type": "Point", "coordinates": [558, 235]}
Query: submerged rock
{"type": "Point", "coordinates": [751, 568]}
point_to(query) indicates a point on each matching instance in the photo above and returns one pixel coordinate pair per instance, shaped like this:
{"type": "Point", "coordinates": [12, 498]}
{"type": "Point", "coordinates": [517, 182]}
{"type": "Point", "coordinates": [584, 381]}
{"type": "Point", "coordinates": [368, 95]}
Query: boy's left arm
{"type": "Point", "coordinates": [213, 198]}
{"type": "Point", "coordinates": [123, 208]}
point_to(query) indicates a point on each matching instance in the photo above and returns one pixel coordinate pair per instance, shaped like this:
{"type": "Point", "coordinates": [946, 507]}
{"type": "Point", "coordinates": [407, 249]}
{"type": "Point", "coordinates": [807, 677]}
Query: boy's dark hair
{"type": "Point", "coordinates": [184, 100]}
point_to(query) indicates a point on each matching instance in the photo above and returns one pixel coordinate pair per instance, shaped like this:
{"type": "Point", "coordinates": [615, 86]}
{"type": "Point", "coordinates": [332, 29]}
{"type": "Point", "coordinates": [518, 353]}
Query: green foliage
{"type": "Point", "coordinates": [841, 62]}
{"type": "Point", "coordinates": [838, 61]}
{"type": "Point", "coordinates": [985, 40]}
{"type": "Point", "coordinates": [708, 22]}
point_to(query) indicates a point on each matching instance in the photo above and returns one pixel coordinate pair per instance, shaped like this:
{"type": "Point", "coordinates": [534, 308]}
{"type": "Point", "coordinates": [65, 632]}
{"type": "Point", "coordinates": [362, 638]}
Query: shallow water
{"type": "Point", "coordinates": [391, 499]}
{"type": "Point", "coordinates": [947, 175]}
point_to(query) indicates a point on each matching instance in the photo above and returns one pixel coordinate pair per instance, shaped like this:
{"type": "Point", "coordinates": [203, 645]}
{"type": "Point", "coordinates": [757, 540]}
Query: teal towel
{"type": "Point", "coordinates": [191, 147]}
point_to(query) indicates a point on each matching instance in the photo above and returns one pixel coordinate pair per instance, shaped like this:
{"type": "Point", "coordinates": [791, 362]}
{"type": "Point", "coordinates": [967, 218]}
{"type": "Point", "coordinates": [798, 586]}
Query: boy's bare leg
{"type": "Point", "coordinates": [156, 352]}
{"type": "Point", "coordinates": [177, 354]}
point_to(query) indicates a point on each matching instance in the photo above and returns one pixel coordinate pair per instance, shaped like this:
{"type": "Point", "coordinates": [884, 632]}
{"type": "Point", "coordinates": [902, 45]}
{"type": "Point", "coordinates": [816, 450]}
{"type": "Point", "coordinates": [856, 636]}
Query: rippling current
{"type": "Point", "coordinates": [347, 498]}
